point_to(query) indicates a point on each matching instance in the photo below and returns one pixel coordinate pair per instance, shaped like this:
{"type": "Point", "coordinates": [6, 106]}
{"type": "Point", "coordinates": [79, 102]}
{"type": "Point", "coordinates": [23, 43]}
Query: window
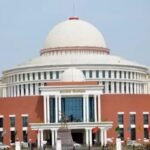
{"type": "Point", "coordinates": [19, 77]}
{"type": "Point", "coordinates": [84, 72]}
{"type": "Point", "coordinates": [125, 75]}
{"type": "Point", "coordinates": [39, 75]}
{"type": "Point", "coordinates": [145, 118]}
{"type": "Point", "coordinates": [23, 77]}
{"type": "Point", "coordinates": [103, 73]}
{"type": "Point", "coordinates": [133, 134]}
{"type": "Point", "coordinates": [25, 136]}
{"type": "Point", "coordinates": [72, 107]}
{"type": "Point", "coordinates": [115, 87]}
{"type": "Point", "coordinates": [12, 121]}
{"type": "Point", "coordinates": [1, 136]}
{"type": "Point", "coordinates": [109, 87]}
{"type": "Point", "coordinates": [120, 75]}
{"type": "Point", "coordinates": [28, 76]}
{"type": "Point", "coordinates": [15, 77]}
{"type": "Point", "coordinates": [57, 75]}
{"type": "Point", "coordinates": [25, 121]}
{"type": "Point", "coordinates": [115, 74]}
{"type": "Point", "coordinates": [97, 74]}
{"type": "Point", "coordinates": [33, 76]}
{"type": "Point", "coordinates": [129, 75]}
{"type": "Point", "coordinates": [90, 74]}
{"type": "Point", "coordinates": [132, 118]}
{"type": "Point", "coordinates": [51, 75]}
{"type": "Point", "coordinates": [12, 135]}
{"type": "Point", "coordinates": [44, 75]}
{"type": "Point", "coordinates": [109, 74]}
{"type": "Point", "coordinates": [91, 108]}
{"type": "Point", "coordinates": [121, 133]}
{"type": "Point", "coordinates": [120, 118]}
{"type": "Point", "coordinates": [146, 133]}
{"type": "Point", "coordinates": [1, 122]}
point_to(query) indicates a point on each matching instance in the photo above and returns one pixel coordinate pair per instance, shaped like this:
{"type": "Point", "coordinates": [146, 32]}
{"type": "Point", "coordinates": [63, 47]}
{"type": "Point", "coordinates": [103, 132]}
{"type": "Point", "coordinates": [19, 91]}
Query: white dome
{"type": "Point", "coordinates": [74, 32]}
{"type": "Point", "coordinates": [72, 75]}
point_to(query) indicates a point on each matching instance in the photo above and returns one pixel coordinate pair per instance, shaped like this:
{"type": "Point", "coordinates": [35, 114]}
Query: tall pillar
{"type": "Point", "coordinates": [95, 108]}
{"type": "Point", "coordinates": [27, 90]}
{"type": "Point", "coordinates": [45, 110]}
{"type": "Point", "coordinates": [135, 89]}
{"type": "Point", "coordinates": [117, 88]}
{"type": "Point", "coordinates": [18, 92]}
{"type": "Point", "coordinates": [127, 88]}
{"type": "Point", "coordinates": [131, 88]}
{"type": "Point", "coordinates": [22, 91]}
{"type": "Point", "coordinates": [87, 108]}
{"type": "Point", "coordinates": [31, 89]}
{"type": "Point", "coordinates": [56, 110]}
{"type": "Point", "coordinates": [84, 108]}
{"type": "Point", "coordinates": [55, 131]}
{"type": "Point", "coordinates": [105, 137]}
{"type": "Point", "coordinates": [42, 139]}
{"type": "Point", "coordinates": [112, 87]}
{"type": "Point", "coordinates": [59, 106]}
{"type": "Point", "coordinates": [38, 139]}
{"type": "Point", "coordinates": [53, 142]}
{"type": "Point", "coordinates": [106, 86]}
{"type": "Point", "coordinates": [87, 137]}
{"type": "Point", "coordinates": [122, 87]}
{"type": "Point", "coordinates": [99, 108]}
{"type": "Point", "coordinates": [48, 108]}
{"type": "Point", "coordinates": [15, 91]}
{"type": "Point", "coordinates": [102, 137]}
{"type": "Point", "coordinates": [90, 137]}
{"type": "Point", "coordinates": [36, 89]}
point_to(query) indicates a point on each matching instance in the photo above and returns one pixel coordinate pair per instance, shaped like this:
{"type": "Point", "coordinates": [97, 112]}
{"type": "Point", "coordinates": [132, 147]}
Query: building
{"type": "Point", "coordinates": [76, 78]}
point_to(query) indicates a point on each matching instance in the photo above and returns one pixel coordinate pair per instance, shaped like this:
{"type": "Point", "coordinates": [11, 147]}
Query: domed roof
{"type": "Point", "coordinates": [74, 32]}
{"type": "Point", "coordinates": [72, 75]}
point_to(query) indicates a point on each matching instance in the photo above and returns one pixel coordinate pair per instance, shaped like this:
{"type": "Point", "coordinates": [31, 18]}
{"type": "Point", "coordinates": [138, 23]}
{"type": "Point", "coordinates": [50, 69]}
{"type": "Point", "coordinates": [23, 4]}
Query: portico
{"type": "Point", "coordinates": [78, 103]}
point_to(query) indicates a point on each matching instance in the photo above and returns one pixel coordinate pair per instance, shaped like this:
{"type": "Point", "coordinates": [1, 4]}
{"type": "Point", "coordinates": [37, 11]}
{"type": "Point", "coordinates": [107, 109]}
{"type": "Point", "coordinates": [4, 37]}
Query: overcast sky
{"type": "Point", "coordinates": [24, 25]}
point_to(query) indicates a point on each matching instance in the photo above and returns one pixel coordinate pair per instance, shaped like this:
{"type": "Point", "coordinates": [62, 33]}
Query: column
{"type": "Point", "coordinates": [18, 93]}
{"type": "Point", "coordinates": [53, 142]}
{"type": "Point", "coordinates": [27, 90]}
{"type": "Point", "coordinates": [95, 108]}
{"type": "Point", "coordinates": [45, 110]}
{"type": "Point", "coordinates": [87, 108]}
{"type": "Point", "coordinates": [102, 137]}
{"type": "Point", "coordinates": [105, 137]}
{"type": "Point", "coordinates": [36, 89]}
{"type": "Point", "coordinates": [14, 90]}
{"type": "Point", "coordinates": [87, 137]}
{"type": "Point", "coordinates": [22, 92]}
{"type": "Point", "coordinates": [48, 108]}
{"type": "Point", "coordinates": [90, 137]}
{"type": "Point", "coordinates": [59, 106]}
{"type": "Point", "coordinates": [99, 108]}
{"type": "Point", "coordinates": [55, 131]}
{"type": "Point", "coordinates": [84, 108]}
{"type": "Point", "coordinates": [122, 87]}
{"type": "Point", "coordinates": [42, 139]}
{"type": "Point", "coordinates": [31, 89]}
{"type": "Point", "coordinates": [131, 88]}
{"type": "Point", "coordinates": [38, 139]}
{"type": "Point", "coordinates": [127, 88]}
{"type": "Point", "coordinates": [106, 86]}
{"type": "Point", "coordinates": [135, 90]}
{"type": "Point", "coordinates": [11, 93]}
{"type": "Point", "coordinates": [56, 109]}
{"type": "Point", "coordinates": [112, 87]}
{"type": "Point", "coordinates": [117, 88]}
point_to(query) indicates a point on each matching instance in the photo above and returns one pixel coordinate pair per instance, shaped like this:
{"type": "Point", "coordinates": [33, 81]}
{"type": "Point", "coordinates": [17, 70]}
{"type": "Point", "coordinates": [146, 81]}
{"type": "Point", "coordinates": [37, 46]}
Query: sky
{"type": "Point", "coordinates": [24, 25]}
